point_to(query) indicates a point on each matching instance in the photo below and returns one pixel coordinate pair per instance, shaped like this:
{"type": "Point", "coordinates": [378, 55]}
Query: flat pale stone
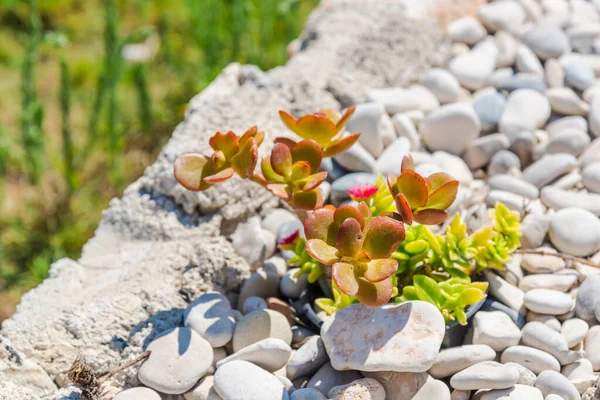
{"type": "Point", "coordinates": [548, 320]}
{"type": "Point", "coordinates": [591, 154]}
{"type": "Point", "coordinates": [473, 69]}
{"type": "Point", "coordinates": [565, 123]}
{"type": "Point", "coordinates": [466, 30]}
{"type": "Point", "coordinates": [535, 228]}
{"type": "Point", "coordinates": [552, 382]}
{"type": "Point", "coordinates": [356, 159]}
{"type": "Point", "coordinates": [391, 159]}
{"type": "Point", "coordinates": [361, 389]}
{"type": "Point", "coordinates": [517, 392]}
{"type": "Point", "coordinates": [594, 116]}
{"type": "Point", "coordinates": [366, 120]}
{"type": "Point", "coordinates": [538, 263]}
{"type": "Point", "coordinates": [178, 359]}
{"type": "Point", "coordinates": [243, 380]}
{"type": "Point", "coordinates": [527, 61]}
{"type": "Point", "coordinates": [562, 283]}
{"type": "Point", "coordinates": [571, 141]}
{"type": "Point", "coordinates": [503, 162]}
{"type": "Point", "coordinates": [455, 359]}
{"type": "Point", "coordinates": [400, 385]}
{"type": "Point", "coordinates": [559, 199]}
{"type": "Point", "coordinates": [515, 185]}
{"type": "Point", "coordinates": [328, 377]}
{"type": "Point", "coordinates": [548, 168]}
{"type": "Point", "coordinates": [588, 297]}
{"type": "Point", "coordinates": [485, 375]}
{"type": "Point", "coordinates": [451, 128]}
{"type": "Point", "coordinates": [525, 109]}
{"type": "Point", "coordinates": [592, 346]}
{"type": "Point", "coordinates": [210, 316]}
{"type": "Point", "coordinates": [546, 40]}
{"type": "Point", "coordinates": [307, 359]}
{"type": "Point", "coordinates": [565, 101]}
{"type": "Point", "coordinates": [526, 376]}
{"type": "Point", "coordinates": [542, 337]}
{"type": "Point", "coordinates": [137, 393]}
{"type": "Point", "coordinates": [270, 354]}
{"type": "Point", "coordinates": [531, 358]}
{"type": "Point", "coordinates": [502, 16]}
{"type": "Point", "coordinates": [407, 337]}
{"type": "Point", "coordinates": [394, 99]}
{"type": "Point", "coordinates": [495, 329]}
{"type": "Point", "coordinates": [574, 331]}
{"type": "Point", "coordinates": [547, 301]}
{"type": "Point", "coordinates": [578, 369]}
{"type": "Point", "coordinates": [575, 231]}
{"type": "Point", "coordinates": [442, 84]}
{"type": "Point", "coordinates": [555, 74]}
{"type": "Point", "coordinates": [259, 325]}
{"type": "Point", "coordinates": [262, 284]}
{"type": "Point", "coordinates": [307, 394]}
{"type": "Point", "coordinates": [481, 150]}
{"type": "Point", "coordinates": [508, 294]}
{"type": "Point", "coordinates": [591, 177]}
{"type": "Point", "coordinates": [433, 389]}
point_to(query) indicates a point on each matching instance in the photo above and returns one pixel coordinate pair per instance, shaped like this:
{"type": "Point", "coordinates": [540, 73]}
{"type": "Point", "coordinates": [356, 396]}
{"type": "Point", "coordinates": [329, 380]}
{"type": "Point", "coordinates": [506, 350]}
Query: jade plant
{"type": "Point", "coordinates": [378, 248]}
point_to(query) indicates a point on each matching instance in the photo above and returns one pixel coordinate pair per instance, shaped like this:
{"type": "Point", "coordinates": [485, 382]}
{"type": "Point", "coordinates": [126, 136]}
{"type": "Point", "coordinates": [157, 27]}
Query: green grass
{"type": "Point", "coordinates": [78, 122]}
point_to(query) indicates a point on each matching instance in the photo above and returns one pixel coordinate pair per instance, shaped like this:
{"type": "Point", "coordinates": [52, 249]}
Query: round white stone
{"type": "Point", "coordinates": [526, 109]}
{"type": "Point", "coordinates": [547, 301]}
{"type": "Point", "coordinates": [137, 393]}
{"type": "Point", "coordinates": [575, 231]}
{"type": "Point", "coordinates": [455, 359]}
{"type": "Point", "coordinates": [592, 346]}
{"type": "Point", "coordinates": [552, 382]}
{"type": "Point", "coordinates": [485, 375]}
{"type": "Point", "coordinates": [591, 177]}
{"type": "Point", "coordinates": [442, 84]}
{"type": "Point", "coordinates": [244, 380]}
{"type": "Point", "coordinates": [574, 331]}
{"type": "Point", "coordinates": [259, 325]}
{"type": "Point", "coordinates": [466, 30]}
{"type": "Point", "coordinates": [560, 282]}
{"type": "Point", "coordinates": [517, 392]}
{"type": "Point", "coordinates": [542, 337]}
{"type": "Point", "coordinates": [495, 329]}
{"type": "Point", "coordinates": [210, 316]}
{"type": "Point", "coordinates": [451, 128]}
{"type": "Point", "coordinates": [270, 354]}
{"type": "Point", "coordinates": [533, 359]}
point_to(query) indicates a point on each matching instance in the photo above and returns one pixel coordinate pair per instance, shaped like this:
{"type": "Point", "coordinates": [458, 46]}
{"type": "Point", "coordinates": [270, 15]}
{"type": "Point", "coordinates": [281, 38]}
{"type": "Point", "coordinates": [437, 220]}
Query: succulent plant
{"type": "Point", "coordinates": [308, 265]}
{"type": "Point", "coordinates": [421, 199]}
{"type": "Point", "coordinates": [377, 196]}
{"type": "Point", "coordinates": [325, 127]}
{"type": "Point", "coordinates": [357, 246]}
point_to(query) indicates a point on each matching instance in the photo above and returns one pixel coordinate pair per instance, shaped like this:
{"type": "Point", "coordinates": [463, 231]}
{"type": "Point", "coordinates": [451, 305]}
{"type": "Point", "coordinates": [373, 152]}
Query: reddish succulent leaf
{"type": "Point", "coordinates": [438, 179]}
{"type": "Point", "coordinates": [374, 294]}
{"type": "Point", "coordinates": [188, 170]}
{"type": "Point", "coordinates": [228, 143]}
{"type": "Point", "coordinates": [391, 182]}
{"type": "Point", "coordinates": [430, 216]}
{"type": "Point", "coordinates": [288, 142]}
{"type": "Point", "coordinates": [308, 200]}
{"type": "Point", "coordinates": [254, 133]}
{"type": "Point", "coordinates": [348, 211]}
{"type": "Point", "coordinates": [268, 172]}
{"type": "Point", "coordinates": [316, 225]}
{"type": "Point", "coordinates": [309, 151]}
{"type": "Point", "coordinates": [288, 120]}
{"type": "Point", "coordinates": [316, 127]}
{"type": "Point", "coordinates": [341, 145]}
{"type": "Point", "coordinates": [314, 181]}
{"type": "Point", "coordinates": [258, 178]}
{"type": "Point", "coordinates": [281, 160]}
{"type": "Point", "coordinates": [443, 196]}
{"type": "Point", "coordinates": [404, 209]}
{"type": "Point", "coordinates": [408, 164]}
{"type": "Point", "coordinates": [379, 270]}
{"type": "Point", "coordinates": [218, 159]}
{"type": "Point", "coordinates": [413, 187]}
{"type": "Point", "coordinates": [278, 190]}
{"type": "Point", "coordinates": [219, 176]}
{"type": "Point", "coordinates": [300, 170]}
{"type": "Point", "coordinates": [383, 237]}
{"type": "Point", "coordinates": [349, 238]}
{"type": "Point", "coordinates": [344, 119]}
{"type": "Point", "coordinates": [321, 251]}
{"type": "Point", "coordinates": [244, 162]}
{"type": "Point", "coordinates": [343, 276]}
{"type": "Point", "coordinates": [364, 209]}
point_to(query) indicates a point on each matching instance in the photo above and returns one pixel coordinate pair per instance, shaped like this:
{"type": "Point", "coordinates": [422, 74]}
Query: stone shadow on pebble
{"type": "Point", "coordinates": [162, 322]}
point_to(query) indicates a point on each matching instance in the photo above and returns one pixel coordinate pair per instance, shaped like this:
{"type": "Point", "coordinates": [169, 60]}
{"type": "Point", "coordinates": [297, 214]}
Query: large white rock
{"type": "Point", "coordinates": [451, 128]}
{"type": "Point", "coordinates": [548, 168]}
{"type": "Point", "coordinates": [525, 110]}
{"type": "Point", "coordinates": [406, 337]}
{"type": "Point", "coordinates": [552, 382]}
{"type": "Point", "coordinates": [137, 393]}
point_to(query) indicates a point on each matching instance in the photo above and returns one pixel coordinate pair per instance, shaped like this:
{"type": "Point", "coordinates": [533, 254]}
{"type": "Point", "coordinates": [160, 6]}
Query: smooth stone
{"type": "Point", "coordinates": [211, 317]}
{"type": "Point", "coordinates": [574, 331]}
{"type": "Point", "coordinates": [394, 99]}
{"type": "Point", "coordinates": [526, 110]}
{"type": "Point", "coordinates": [460, 395]}
{"type": "Point", "coordinates": [405, 127]}
{"type": "Point", "coordinates": [407, 339]}
{"type": "Point", "coordinates": [512, 272]}
{"type": "Point", "coordinates": [526, 376]}
{"type": "Point", "coordinates": [391, 160]}
{"type": "Point", "coordinates": [542, 337]}
{"type": "Point", "coordinates": [400, 385]}
{"type": "Point", "coordinates": [138, 393]}
{"type": "Point", "coordinates": [578, 369]}
{"type": "Point", "coordinates": [453, 165]}
{"type": "Point", "coordinates": [366, 120]}
{"type": "Point", "coordinates": [553, 397]}
{"type": "Point", "coordinates": [559, 199]}
{"type": "Point", "coordinates": [579, 76]}
{"type": "Point", "coordinates": [594, 116]}
{"type": "Point", "coordinates": [261, 284]}
{"type": "Point", "coordinates": [243, 380]}
{"type": "Point", "coordinates": [452, 360]}
{"type": "Point", "coordinates": [270, 354]}
{"type": "Point", "coordinates": [327, 378]}
{"type": "Point", "coordinates": [568, 181]}
{"type": "Point", "coordinates": [433, 389]}
{"type": "Point", "coordinates": [356, 159]}
{"type": "Point", "coordinates": [275, 218]}
{"type": "Point", "coordinates": [561, 283]}
{"type": "Point", "coordinates": [517, 392]}
{"type": "Point", "coordinates": [361, 389]}
{"type": "Point", "coordinates": [505, 292]}
{"type": "Point", "coordinates": [531, 358]}
{"type": "Point", "coordinates": [466, 30]}
{"type": "Point", "coordinates": [498, 76]}
{"type": "Point", "coordinates": [588, 297]}
{"type": "Point", "coordinates": [259, 325]}
{"type": "Point", "coordinates": [527, 61]}
{"type": "Point", "coordinates": [591, 154]}
{"type": "Point", "coordinates": [481, 150]}
{"type": "Point", "coordinates": [548, 168]}
{"type": "Point", "coordinates": [552, 382]}
{"type": "Point", "coordinates": [340, 187]}
{"type": "Point", "coordinates": [521, 81]}
{"type": "Point", "coordinates": [333, 169]}
{"type": "Point", "coordinates": [555, 74]}
{"type": "Point", "coordinates": [515, 185]}
{"type": "Point", "coordinates": [442, 84]}
{"type": "Point", "coordinates": [491, 305]}
{"type": "Point", "coordinates": [489, 108]}
{"type": "Point", "coordinates": [575, 231]}
{"type": "Point", "coordinates": [474, 68]}
{"type": "Point", "coordinates": [250, 242]}
{"type": "Point", "coordinates": [591, 345]}
{"type": "Point", "coordinates": [503, 162]}
{"type": "Point", "coordinates": [534, 228]}
{"type": "Point", "coordinates": [291, 286]}
{"type": "Point", "coordinates": [307, 359]}
{"type": "Point", "coordinates": [307, 394]}
{"type": "Point", "coordinates": [300, 335]}
{"type": "Point", "coordinates": [547, 301]}
{"type": "Point", "coordinates": [451, 128]}
{"type": "Point", "coordinates": [507, 49]}
{"type": "Point", "coordinates": [511, 200]}
{"type": "Point", "coordinates": [485, 375]}
{"type": "Point", "coordinates": [565, 101]}
{"type": "Point", "coordinates": [178, 359]}
{"type": "Point", "coordinates": [204, 390]}
{"type": "Point", "coordinates": [549, 320]}
{"type": "Point", "coordinates": [546, 40]}
{"type": "Point", "coordinates": [495, 329]}
{"type": "Point", "coordinates": [504, 15]}
{"type": "Point", "coordinates": [253, 303]}
{"type": "Point", "coordinates": [565, 123]}
{"type": "Point", "coordinates": [570, 141]}
{"type": "Point", "coordinates": [425, 97]}
{"type": "Point", "coordinates": [523, 145]}
{"type": "Point", "coordinates": [591, 177]}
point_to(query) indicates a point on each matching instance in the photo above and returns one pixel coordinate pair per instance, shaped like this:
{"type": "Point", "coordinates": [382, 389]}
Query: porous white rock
{"type": "Point", "coordinates": [366, 388]}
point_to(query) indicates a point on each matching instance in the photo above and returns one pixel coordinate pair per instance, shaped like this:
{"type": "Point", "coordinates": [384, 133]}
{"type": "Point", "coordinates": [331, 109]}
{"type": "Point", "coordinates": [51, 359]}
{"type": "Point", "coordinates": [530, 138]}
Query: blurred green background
{"type": "Point", "coordinates": [90, 90]}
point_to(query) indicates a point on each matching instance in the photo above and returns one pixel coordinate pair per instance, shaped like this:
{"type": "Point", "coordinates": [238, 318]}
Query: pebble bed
{"type": "Point", "coordinates": [515, 117]}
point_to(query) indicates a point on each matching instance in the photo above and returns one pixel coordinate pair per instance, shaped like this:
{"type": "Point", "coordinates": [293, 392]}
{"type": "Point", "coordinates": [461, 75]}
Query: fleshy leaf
{"type": "Point", "coordinates": [287, 141]}
{"type": "Point", "coordinates": [438, 179]}
{"type": "Point", "coordinates": [443, 197]}
{"type": "Point", "coordinates": [315, 127]}
{"type": "Point", "coordinates": [427, 289]}
{"type": "Point", "coordinates": [408, 163]}
{"type": "Point", "coordinates": [278, 190]}
{"type": "Point", "coordinates": [430, 216]}
{"type": "Point", "coordinates": [349, 238]}
{"type": "Point", "coordinates": [226, 142]}
{"type": "Point", "coordinates": [245, 160]}
{"type": "Point", "coordinates": [300, 170]}
{"type": "Point", "coordinates": [379, 270]}
{"type": "Point", "coordinates": [309, 151]}
{"type": "Point", "coordinates": [341, 145]}
{"type": "Point", "coordinates": [267, 170]}
{"type": "Point", "coordinates": [281, 160]}
{"type": "Point", "coordinates": [308, 200]}
{"type": "Point", "coordinates": [321, 251]}
{"type": "Point", "coordinates": [219, 176]}
{"type": "Point", "coordinates": [413, 187]}
{"type": "Point", "coordinates": [343, 275]}
{"type": "Point", "coordinates": [317, 225]}
{"type": "Point", "coordinates": [344, 119]}
{"type": "Point", "coordinates": [470, 296]}
{"type": "Point", "coordinates": [188, 170]}
{"type": "Point", "coordinates": [348, 211]}
{"type": "Point", "coordinates": [384, 235]}
{"type": "Point", "coordinates": [404, 208]}
{"type": "Point", "coordinates": [313, 181]}
{"type": "Point", "coordinates": [374, 294]}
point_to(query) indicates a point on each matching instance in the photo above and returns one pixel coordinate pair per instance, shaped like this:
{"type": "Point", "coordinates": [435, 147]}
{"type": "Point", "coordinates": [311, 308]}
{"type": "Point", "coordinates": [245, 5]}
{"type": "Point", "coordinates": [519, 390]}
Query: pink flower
{"type": "Point", "coordinates": [290, 238]}
{"type": "Point", "coordinates": [362, 192]}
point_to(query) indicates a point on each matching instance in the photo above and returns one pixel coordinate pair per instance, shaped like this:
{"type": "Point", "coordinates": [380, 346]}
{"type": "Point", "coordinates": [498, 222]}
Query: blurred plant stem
{"type": "Point", "coordinates": [65, 108]}
{"type": "Point", "coordinates": [145, 104]}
